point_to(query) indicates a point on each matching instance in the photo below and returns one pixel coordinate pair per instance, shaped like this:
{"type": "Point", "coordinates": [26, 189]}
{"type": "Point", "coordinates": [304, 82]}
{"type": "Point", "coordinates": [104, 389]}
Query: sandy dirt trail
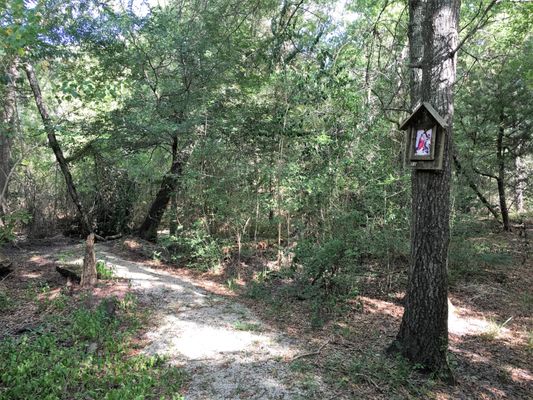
{"type": "Point", "coordinates": [228, 352]}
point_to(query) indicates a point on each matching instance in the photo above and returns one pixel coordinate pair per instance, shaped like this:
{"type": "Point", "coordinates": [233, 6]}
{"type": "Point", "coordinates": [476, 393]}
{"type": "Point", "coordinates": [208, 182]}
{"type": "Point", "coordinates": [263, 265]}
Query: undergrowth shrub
{"type": "Point", "coordinates": [327, 269]}
{"type": "Point", "coordinates": [326, 266]}
{"type": "Point", "coordinates": [103, 271]}
{"type": "Point", "coordinates": [472, 255]}
{"type": "Point", "coordinates": [326, 274]}
{"type": "Point", "coordinates": [195, 246]}
{"type": "Point", "coordinates": [10, 223]}
{"type": "Point", "coordinates": [85, 355]}
{"type": "Point", "coordinates": [374, 367]}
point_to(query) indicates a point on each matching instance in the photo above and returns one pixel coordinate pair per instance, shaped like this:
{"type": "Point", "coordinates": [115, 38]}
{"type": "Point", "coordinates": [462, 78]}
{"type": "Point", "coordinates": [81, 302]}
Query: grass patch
{"type": "Point", "coordinates": [390, 375]}
{"type": "Point", "coordinates": [85, 354]}
{"type": "Point", "coordinates": [247, 326]}
{"type": "Point", "coordinates": [494, 329]}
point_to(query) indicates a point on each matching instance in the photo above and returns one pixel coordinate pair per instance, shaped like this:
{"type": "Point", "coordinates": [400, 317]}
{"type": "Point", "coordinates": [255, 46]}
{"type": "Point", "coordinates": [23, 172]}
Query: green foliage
{"type": "Point", "coordinates": [492, 101]}
{"type": "Point", "coordinates": [103, 271]}
{"type": "Point", "coordinates": [20, 27]}
{"type": "Point", "coordinates": [247, 326]}
{"type": "Point", "coordinates": [325, 265]}
{"type": "Point", "coordinates": [329, 270]}
{"type": "Point", "coordinates": [5, 301]}
{"type": "Point", "coordinates": [85, 356]}
{"type": "Point", "coordinates": [195, 246]}
{"type": "Point", "coordinates": [377, 368]}
{"type": "Point", "coordinates": [473, 256]}
{"type": "Point", "coordinates": [259, 290]}
{"type": "Point", "coordinates": [284, 122]}
{"type": "Point", "coordinates": [10, 223]}
{"type": "Point", "coordinates": [232, 285]}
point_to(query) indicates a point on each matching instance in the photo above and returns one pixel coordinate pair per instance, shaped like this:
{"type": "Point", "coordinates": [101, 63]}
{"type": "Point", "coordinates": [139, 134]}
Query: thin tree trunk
{"type": "Point", "coordinates": [257, 186]}
{"type": "Point", "coordinates": [148, 229]}
{"type": "Point", "coordinates": [271, 195]}
{"type": "Point", "coordinates": [501, 176]}
{"type": "Point", "coordinates": [423, 333]}
{"type": "Point", "coordinates": [256, 227]}
{"type": "Point", "coordinates": [54, 144]}
{"type": "Point", "coordinates": [279, 196]}
{"type": "Point", "coordinates": [173, 226]}
{"type": "Point", "coordinates": [476, 190]}
{"type": "Point", "coordinates": [89, 275]}
{"type": "Point", "coordinates": [7, 132]}
{"type": "Point", "coordinates": [521, 182]}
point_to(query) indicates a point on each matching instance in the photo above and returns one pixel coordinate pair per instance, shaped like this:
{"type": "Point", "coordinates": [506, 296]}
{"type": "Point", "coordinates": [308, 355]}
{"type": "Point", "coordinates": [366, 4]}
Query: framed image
{"type": "Point", "coordinates": [423, 143]}
{"type": "Point", "coordinates": [426, 138]}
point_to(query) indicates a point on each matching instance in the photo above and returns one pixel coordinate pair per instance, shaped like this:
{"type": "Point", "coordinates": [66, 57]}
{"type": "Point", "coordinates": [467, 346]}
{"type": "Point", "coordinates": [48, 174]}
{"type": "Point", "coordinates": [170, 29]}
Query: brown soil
{"type": "Point", "coordinates": [491, 329]}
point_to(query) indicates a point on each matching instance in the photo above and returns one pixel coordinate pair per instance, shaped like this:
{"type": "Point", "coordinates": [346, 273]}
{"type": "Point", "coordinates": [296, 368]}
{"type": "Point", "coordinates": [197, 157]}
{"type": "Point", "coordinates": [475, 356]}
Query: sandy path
{"type": "Point", "coordinates": [228, 352]}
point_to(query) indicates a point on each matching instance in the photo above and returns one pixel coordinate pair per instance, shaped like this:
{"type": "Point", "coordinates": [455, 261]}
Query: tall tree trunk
{"type": "Point", "coordinates": [423, 333]}
{"type": "Point", "coordinates": [476, 190]}
{"type": "Point", "coordinates": [7, 131]}
{"type": "Point", "coordinates": [148, 229]}
{"type": "Point", "coordinates": [56, 148]}
{"type": "Point", "coordinates": [173, 226]}
{"type": "Point", "coordinates": [521, 182]}
{"type": "Point", "coordinates": [501, 176]}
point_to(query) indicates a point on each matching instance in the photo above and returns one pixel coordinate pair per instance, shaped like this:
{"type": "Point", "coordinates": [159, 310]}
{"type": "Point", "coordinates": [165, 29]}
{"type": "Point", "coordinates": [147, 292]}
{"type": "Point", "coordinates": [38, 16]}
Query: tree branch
{"type": "Point", "coordinates": [473, 186]}
{"type": "Point", "coordinates": [483, 20]}
{"type": "Point", "coordinates": [477, 171]}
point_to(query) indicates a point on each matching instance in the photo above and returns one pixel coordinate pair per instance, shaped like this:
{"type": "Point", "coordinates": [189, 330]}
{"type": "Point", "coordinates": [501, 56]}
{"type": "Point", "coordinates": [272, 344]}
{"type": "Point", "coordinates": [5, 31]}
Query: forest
{"type": "Point", "coordinates": [266, 199]}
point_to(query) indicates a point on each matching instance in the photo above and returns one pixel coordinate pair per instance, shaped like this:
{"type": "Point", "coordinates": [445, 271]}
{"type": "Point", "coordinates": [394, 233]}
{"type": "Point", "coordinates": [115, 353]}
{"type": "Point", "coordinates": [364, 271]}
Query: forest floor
{"type": "Point", "coordinates": [236, 346]}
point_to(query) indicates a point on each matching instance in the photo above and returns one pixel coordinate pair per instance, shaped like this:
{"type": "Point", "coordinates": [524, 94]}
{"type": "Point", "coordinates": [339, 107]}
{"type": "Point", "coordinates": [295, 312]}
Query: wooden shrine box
{"type": "Point", "coordinates": [426, 131]}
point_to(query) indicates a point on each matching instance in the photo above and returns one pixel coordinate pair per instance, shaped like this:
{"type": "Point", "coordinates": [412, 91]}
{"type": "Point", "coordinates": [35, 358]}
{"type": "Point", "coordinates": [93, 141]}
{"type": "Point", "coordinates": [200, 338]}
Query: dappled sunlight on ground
{"type": "Point", "coordinates": [519, 374]}
{"type": "Point", "coordinates": [488, 350]}
{"type": "Point", "coordinates": [31, 275]}
{"type": "Point", "coordinates": [373, 306]}
{"type": "Point", "coordinates": [198, 321]}
{"type": "Point", "coordinates": [198, 340]}
{"type": "Point", "coordinates": [466, 325]}
{"type": "Point", "coordinates": [226, 348]}
{"type": "Point", "coordinates": [74, 262]}
{"type": "Point", "coordinates": [36, 259]}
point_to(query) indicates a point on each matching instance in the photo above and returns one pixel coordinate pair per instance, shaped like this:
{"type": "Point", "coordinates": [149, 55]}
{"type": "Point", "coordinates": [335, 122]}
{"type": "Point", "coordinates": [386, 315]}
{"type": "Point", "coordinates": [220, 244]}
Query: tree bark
{"type": "Point", "coordinates": [89, 275]}
{"type": "Point", "coordinates": [148, 229]}
{"type": "Point", "coordinates": [423, 333]}
{"type": "Point", "coordinates": [56, 148]}
{"type": "Point", "coordinates": [173, 225]}
{"type": "Point", "coordinates": [476, 190]}
{"type": "Point", "coordinates": [7, 132]}
{"type": "Point", "coordinates": [521, 182]}
{"type": "Point", "coordinates": [501, 175]}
